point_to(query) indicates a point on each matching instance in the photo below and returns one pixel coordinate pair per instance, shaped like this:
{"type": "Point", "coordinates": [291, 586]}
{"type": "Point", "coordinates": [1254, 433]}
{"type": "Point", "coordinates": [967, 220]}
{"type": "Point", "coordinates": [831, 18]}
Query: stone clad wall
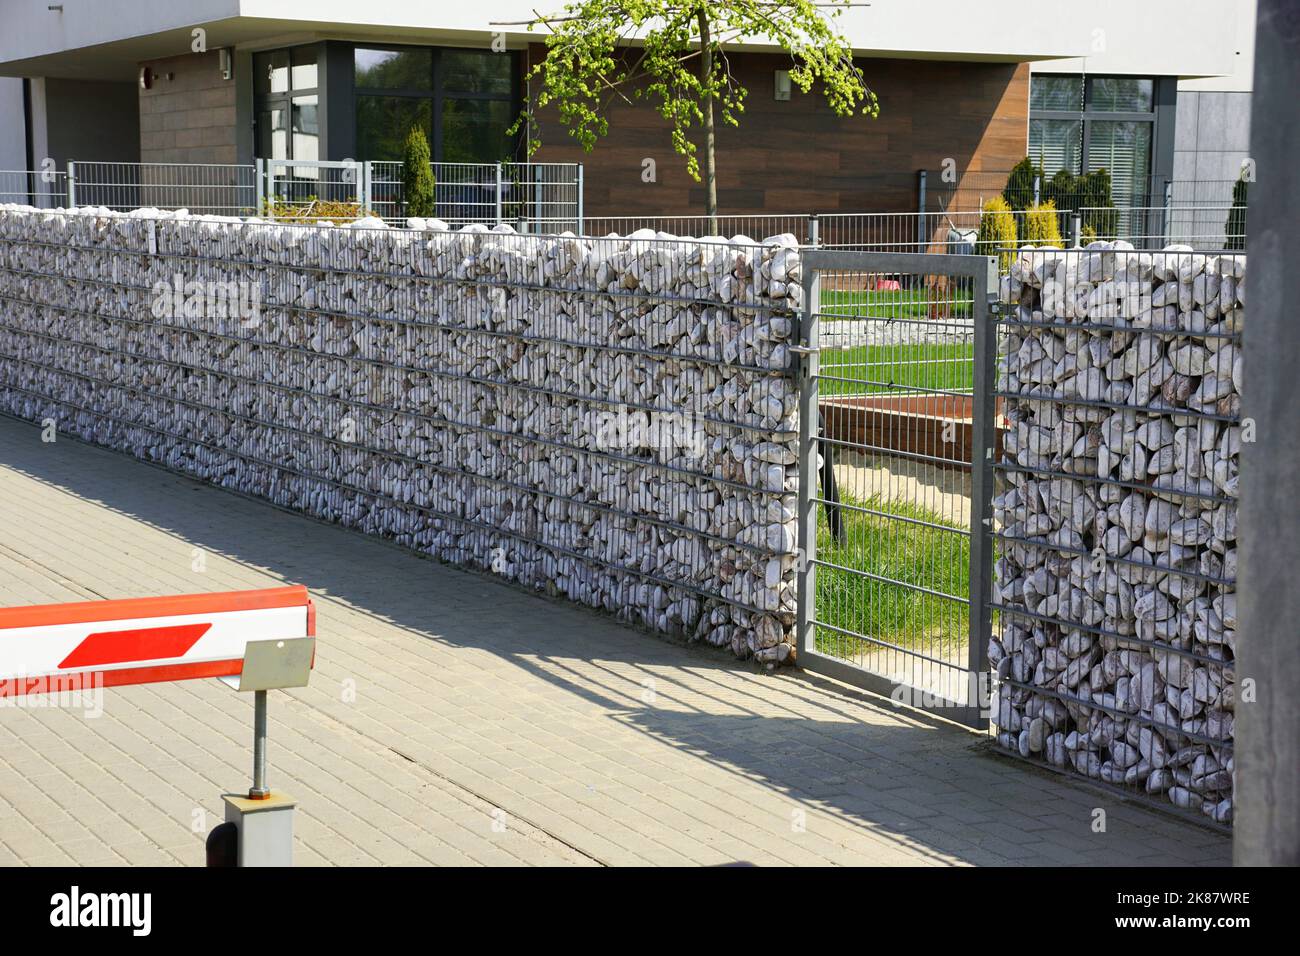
{"type": "Point", "coordinates": [1116, 515]}
{"type": "Point", "coordinates": [612, 420]}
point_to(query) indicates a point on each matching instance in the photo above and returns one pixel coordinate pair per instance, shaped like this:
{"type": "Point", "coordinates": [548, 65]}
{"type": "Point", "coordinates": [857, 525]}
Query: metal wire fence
{"type": "Point", "coordinates": [603, 419]}
{"type": "Point", "coordinates": [213, 189]}
{"type": "Point", "coordinates": [893, 385]}
{"type": "Point", "coordinates": [546, 196]}
{"type": "Point", "coordinates": [43, 188]}
{"type": "Point", "coordinates": [1116, 516]}
{"type": "Point", "coordinates": [308, 184]}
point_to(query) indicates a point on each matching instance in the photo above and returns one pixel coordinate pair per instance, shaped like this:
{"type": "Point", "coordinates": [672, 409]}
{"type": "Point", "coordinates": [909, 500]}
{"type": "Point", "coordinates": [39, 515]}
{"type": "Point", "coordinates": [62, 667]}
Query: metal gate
{"type": "Point", "coordinates": [897, 439]}
{"type": "Point", "coordinates": [298, 182]}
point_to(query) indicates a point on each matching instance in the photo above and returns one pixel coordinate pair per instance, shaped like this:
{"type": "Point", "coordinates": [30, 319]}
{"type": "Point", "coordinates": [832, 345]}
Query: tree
{"type": "Point", "coordinates": [417, 175]}
{"type": "Point", "coordinates": [1019, 191]}
{"type": "Point", "coordinates": [1041, 225]}
{"type": "Point", "coordinates": [997, 232]}
{"type": "Point", "coordinates": [681, 66]}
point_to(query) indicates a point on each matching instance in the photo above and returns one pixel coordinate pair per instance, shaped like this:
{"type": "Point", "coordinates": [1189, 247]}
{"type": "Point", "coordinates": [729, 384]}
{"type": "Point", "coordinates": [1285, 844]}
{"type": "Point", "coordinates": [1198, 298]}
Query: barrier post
{"type": "Point", "coordinates": [251, 640]}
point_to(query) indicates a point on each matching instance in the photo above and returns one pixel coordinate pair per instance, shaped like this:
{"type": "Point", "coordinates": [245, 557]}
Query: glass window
{"type": "Point", "coordinates": [1047, 92]}
{"type": "Point", "coordinates": [1056, 144]}
{"type": "Point", "coordinates": [394, 69]}
{"type": "Point", "coordinates": [475, 71]}
{"type": "Point", "coordinates": [1124, 150]}
{"type": "Point", "coordinates": [1116, 94]}
{"type": "Point", "coordinates": [306, 128]}
{"type": "Point", "coordinates": [474, 131]}
{"type": "Point", "coordinates": [271, 72]}
{"type": "Point", "coordinates": [383, 123]}
{"type": "Point", "coordinates": [272, 135]}
{"type": "Point", "coordinates": [304, 67]}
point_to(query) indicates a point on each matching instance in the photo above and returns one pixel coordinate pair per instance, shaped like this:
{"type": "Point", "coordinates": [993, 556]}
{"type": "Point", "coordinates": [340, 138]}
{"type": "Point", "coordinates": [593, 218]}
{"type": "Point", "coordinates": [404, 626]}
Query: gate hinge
{"type": "Point", "coordinates": [802, 349]}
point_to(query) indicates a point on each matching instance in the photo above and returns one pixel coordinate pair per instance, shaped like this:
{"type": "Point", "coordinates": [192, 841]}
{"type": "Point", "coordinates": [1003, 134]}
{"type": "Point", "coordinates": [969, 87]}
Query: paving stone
{"type": "Point", "coordinates": [473, 695]}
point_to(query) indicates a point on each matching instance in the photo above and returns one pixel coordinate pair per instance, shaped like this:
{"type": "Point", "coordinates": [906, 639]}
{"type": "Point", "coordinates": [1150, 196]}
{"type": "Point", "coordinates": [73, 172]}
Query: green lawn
{"type": "Point", "coordinates": [935, 558]}
{"type": "Point", "coordinates": [836, 305]}
{"type": "Point", "coordinates": [929, 367]}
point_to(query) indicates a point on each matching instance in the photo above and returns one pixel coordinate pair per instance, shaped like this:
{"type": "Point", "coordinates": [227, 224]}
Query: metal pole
{"type": "Point", "coordinates": [805, 639]}
{"type": "Point", "coordinates": [814, 230]}
{"type": "Point", "coordinates": [259, 790]}
{"type": "Point", "coordinates": [983, 440]}
{"type": "Point", "coordinates": [1038, 183]}
{"type": "Point", "coordinates": [538, 211]}
{"type": "Point", "coordinates": [259, 173]}
{"type": "Point", "coordinates": [498, 212]}
{"type": "Point", "coordinates": [920, 210]}
{"type": "Point", "coordinates": [1267, 665]}
{"type": "Point", "coordinates": [581, 213]}
{"type": "Point", "coordinates": [1076, 229]}
{"type": "Point", "coordinates": [72, 184]}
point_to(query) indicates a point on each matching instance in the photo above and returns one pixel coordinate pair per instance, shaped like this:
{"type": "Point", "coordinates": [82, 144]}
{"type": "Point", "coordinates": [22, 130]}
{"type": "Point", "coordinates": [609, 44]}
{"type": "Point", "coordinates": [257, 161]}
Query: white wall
{"type": "Point", "coordinates": [30, 29]}
{"type": "Point", "coordinates": [1186, 38]}
{"type": "Point", "coordinates": [13, 140]}
{"type": "Point", "coordinates": [1166, 37]}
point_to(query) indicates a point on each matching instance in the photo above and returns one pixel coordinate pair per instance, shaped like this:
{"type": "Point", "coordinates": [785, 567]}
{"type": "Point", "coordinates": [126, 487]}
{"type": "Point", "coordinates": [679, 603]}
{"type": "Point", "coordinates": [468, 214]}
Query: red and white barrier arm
{"type": "Point", "coordinates": [144, 640]}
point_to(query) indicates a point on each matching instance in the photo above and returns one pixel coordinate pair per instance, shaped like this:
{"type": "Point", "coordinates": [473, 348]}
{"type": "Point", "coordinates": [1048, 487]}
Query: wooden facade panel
{"type": "Point", "coordinates": [797, 156]}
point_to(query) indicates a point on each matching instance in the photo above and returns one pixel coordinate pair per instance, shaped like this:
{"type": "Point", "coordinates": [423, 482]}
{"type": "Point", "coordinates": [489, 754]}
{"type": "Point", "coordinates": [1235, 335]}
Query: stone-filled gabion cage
{"type": "Point", "coordinates": [612, 420]}
{"type": "Point", "coordinates": [1116, 517]}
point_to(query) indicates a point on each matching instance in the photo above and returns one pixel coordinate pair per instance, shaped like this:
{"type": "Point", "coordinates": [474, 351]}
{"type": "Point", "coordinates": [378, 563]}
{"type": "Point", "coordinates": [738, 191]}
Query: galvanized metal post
{"type": "Point", "coordinates": [814, 231]}
{"type": "Point", "coordinates": [1267, 755]}
{"type": "Point", "coordinates": [259, 173]}
{"type": "Point", "coordinates": [498, 194]}
{"type": "Point", "coordinates": [72, 184]}
{"type": "Point", "coordinates": [806, 592]}
{"type": "Point", "coordinates": [920, 210]}
{"type": "Point", "coordinates": [367, 179]}
{"type": "Point", "coordinates": [983, 442]}
{"type": "Point", "coordinates": [1038, 185]}
{"type": "Point", "coordinates": [1076, 230]}
{"type": "Point", "coordinates": [537, 192]}
{"type": "Point", "coordinates": [259, 789]}
{"type": "Point", "coordinates": [581, 213]}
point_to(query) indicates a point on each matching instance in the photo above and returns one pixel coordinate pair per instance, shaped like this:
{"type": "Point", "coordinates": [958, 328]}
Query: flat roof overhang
{"type": "Point", "coordinates": [119, 60]}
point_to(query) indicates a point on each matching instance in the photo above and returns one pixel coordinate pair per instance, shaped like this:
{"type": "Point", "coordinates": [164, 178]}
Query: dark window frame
{"type": "Point", "coordinates": [437, 95]}
{"type": "Point", "coordinates": [1160, 117]}
{"type": "Point", "coordinates": [283, 100]}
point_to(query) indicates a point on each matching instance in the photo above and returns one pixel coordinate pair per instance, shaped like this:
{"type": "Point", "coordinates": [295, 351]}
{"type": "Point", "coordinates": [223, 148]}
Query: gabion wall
{"type": "Point", "coordinates": [612, 420]}
{"type": "Point", "coordinates": [1116, 517]}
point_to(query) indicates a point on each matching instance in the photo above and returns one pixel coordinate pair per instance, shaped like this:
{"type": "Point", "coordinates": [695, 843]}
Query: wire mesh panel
{"type": "Point", "coordinates": [1200, 226]}
{"type": "Point", "coordinates": [43, 188]}
{"type": "Point", "coordinates": [1116, 518]}
{"type": "Point", "coordinates": [308, 185]}
{"type": "Point", "coordinates": [757, 226]}
{"type": "Point", "coordinates": [210, 189]}
{"type": "Point", "coordinates": [893, 395]}
{"type": "Point", "coordinates": [955, 233]}
{"type": "Point", "coordinates": [546, 196]}
{"type": "Point", "coordinates": [609, 420]}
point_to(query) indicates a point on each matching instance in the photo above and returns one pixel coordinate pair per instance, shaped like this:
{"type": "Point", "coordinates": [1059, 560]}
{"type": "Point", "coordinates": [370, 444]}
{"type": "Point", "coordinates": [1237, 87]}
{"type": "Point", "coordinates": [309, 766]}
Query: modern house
{"type": "Point", "coordinates": [1153, 91]}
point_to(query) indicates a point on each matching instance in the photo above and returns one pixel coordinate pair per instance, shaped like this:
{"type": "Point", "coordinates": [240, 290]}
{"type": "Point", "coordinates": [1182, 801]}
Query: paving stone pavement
{"type": "Point", "coordinates": [455, 719]}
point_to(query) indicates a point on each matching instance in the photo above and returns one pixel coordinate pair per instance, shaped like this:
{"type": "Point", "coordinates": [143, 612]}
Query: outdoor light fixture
{"type": "Point", "coordinates": [225, 56]}
{"type": "Point", "coordinates": [782, 85]}
{"type": "Point", "coordinates": [146, 78]}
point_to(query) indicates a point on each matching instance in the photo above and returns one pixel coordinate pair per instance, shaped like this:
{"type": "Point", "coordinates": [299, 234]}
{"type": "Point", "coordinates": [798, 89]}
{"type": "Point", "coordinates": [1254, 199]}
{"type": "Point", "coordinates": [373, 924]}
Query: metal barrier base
{"type": "Point", "coordinates": [265, 828]}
